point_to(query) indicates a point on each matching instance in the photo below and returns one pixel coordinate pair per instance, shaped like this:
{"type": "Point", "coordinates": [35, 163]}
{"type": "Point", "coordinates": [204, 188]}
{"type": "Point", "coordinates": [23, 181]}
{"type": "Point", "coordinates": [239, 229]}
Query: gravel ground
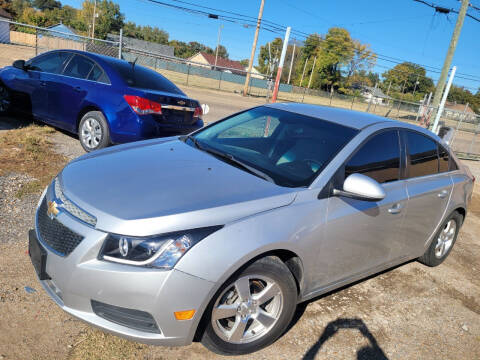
{"type": "Point", "coordinates": [410, 312]}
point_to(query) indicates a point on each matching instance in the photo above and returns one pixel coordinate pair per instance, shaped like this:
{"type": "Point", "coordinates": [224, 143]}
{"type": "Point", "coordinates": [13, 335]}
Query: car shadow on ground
{"type": "Point", "coordinates": [371, 351]}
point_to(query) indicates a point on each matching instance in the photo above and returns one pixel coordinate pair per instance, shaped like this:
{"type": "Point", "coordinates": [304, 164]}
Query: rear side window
{"type": "Point", "coordinates": [79, 67]}
{"type": "Point", "coordinates": [140, 77]}
{"type": "Point", "coordinates": [97, 74]}
{"type": "Point", "coordinates": [444, 159]}
{"type": "Point", "coordinates": [378, 158]}
{"type": "Point", "coordinates": [423, 155]}
{"type": "Point", "coordinates": [446, 163]}
{"type": "Point", "coordinates": [50, 63]}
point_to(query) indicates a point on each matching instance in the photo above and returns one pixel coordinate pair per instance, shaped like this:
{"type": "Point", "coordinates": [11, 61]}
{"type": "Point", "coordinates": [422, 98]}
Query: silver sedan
{"type": "Point", "coordinates": [218, 235]}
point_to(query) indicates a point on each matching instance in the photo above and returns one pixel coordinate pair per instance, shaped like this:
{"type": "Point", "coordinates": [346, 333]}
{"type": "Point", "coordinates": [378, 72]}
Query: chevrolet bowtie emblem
{"type": "Point", "coordinates": [181, 102]}
{"type": "Point", "coordinates": [52, 210]}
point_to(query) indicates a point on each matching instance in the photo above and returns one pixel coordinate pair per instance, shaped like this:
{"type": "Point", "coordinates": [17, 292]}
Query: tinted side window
{"type": "Point", "coordinates": [423, 155]}
{"type": "Point", "coordinates": [379, 158]}
{"type": "Point", "coordinates": [444, 159]}
{"type": "Point", "coordinates": [50, 63]}
{"type": "Point", "coordinates": [79, 67]}
{"type": "Point", "coordinates": [97, 74]}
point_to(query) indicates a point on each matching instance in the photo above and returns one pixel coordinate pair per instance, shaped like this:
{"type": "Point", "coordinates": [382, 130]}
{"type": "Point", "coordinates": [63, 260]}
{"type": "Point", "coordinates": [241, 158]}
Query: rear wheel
{"type": "Point", "coordinates": [252, 309]}
{"type": "Point", "coordinates": [443, 242]}
{"type": "Point", "coordinates": [93, 131]}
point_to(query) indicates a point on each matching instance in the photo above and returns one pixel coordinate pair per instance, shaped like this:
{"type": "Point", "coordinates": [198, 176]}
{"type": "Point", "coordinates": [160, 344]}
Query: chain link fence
{"type": "Point", "coordinates": [40, 40]}
{"type": "Point", "coordinates": [22, 41]}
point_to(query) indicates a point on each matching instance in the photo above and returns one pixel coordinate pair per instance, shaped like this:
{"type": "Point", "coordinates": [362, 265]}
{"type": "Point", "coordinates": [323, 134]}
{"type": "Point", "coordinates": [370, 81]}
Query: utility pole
{"type": "Point", "coordinates": [218, 45]}
{"type": "Point", "coordinates": [93, 22]}
{"type": "Point", "coordinates": [303, 73]}
{"type": "Point", "coordinates": [280, 65]}
{"type": "Point", "coordinates": [254, 47]}
{"type": "Point", "coordinates": [451, 51]}
{"type": "Point", "coordinates": [415, 87]}
{"type": "Point", "coordinates": [291, 62]}
{"type": "Point", "coordinates": [311, 74]}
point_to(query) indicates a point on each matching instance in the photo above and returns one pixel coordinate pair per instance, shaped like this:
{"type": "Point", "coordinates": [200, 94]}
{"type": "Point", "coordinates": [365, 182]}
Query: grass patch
{"type": "Point", "coordinates": [29, 151]}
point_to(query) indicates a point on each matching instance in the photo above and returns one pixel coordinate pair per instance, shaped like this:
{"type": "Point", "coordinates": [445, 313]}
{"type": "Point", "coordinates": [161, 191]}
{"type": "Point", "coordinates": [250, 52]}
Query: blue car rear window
{"type": "Point", "coordinates": [140, 77]}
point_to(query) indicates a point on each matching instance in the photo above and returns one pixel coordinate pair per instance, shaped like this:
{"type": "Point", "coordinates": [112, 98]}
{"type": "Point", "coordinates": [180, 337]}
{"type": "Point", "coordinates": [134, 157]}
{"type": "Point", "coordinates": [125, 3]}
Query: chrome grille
{"type": "Point", "coordinates": [54, 234]}
{"type": "Point", "coordinates": [71, 208]}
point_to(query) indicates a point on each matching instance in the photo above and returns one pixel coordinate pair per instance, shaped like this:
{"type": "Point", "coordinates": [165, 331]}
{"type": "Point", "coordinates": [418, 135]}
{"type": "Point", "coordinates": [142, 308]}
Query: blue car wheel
{"type": "Point", "coordinates": [93, 131]}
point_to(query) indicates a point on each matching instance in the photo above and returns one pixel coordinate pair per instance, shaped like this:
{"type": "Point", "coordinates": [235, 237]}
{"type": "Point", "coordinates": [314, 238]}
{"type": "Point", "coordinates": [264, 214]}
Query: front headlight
{"type": "Point", "coordinates": [162, 251]}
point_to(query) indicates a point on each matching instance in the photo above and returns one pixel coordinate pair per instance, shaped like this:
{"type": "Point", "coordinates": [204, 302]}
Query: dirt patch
{"type": "Point", "coordinates": [30, 151]}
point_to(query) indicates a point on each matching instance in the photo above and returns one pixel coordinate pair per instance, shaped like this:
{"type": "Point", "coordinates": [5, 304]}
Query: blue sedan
{"type": "Point", "coordinates": [102, 99]}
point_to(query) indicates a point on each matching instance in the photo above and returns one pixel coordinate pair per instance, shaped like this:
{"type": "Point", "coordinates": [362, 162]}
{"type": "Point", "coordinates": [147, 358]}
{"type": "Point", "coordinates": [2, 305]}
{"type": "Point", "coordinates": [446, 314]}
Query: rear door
{"type": "Point", "coordinates": [429, 187]}
{"type": "Point", "coordinates": [362, 235]}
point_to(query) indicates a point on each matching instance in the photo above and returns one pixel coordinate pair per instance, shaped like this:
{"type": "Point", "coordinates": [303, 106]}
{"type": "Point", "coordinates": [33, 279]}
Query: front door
{"type": "Point", "coordinates": [362, 235]}
{"type": "Point", "coordinates": [41, 76]}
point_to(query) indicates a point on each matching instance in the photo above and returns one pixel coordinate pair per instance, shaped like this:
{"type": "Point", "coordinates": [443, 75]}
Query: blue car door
{"type": "Point", "coordinates": [68, 95]}
{"type": "Point", "coordinates": [41, 73]}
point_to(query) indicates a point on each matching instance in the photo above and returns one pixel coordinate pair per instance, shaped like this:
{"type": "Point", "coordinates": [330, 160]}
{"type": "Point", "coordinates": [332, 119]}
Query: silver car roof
{"type": "Point", "coordinates": [350, 118]}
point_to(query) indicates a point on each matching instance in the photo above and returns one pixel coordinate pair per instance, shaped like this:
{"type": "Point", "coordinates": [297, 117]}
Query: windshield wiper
{"type": "Point", "coordinates": [231, 159]}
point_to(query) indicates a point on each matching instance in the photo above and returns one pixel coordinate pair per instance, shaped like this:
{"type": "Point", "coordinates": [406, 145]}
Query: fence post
{"type": "Point", "coordinates": [353, 100]}
{"type": "Point", "coordinates": [120, 44]}
{"type": "Point", "coordinates": [220, 80]}
{"type": "Point", "coordinates": [304, 91]}
{"type": "Point", "coordinates": [331, 96]}
{"type": "Point", "coordinates": [36, 42]}
{"type": "Point", "coordinates": [462, 117]}
{"type": "Point", "coordinates": [188, 72]}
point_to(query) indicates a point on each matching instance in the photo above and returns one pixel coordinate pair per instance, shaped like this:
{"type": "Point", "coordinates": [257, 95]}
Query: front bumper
{"type": "Point", "coordinates": [79, 277]}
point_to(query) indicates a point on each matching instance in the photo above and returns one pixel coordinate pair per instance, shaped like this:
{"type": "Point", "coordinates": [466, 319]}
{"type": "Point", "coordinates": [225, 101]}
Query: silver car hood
{"type": "Point", "coordinates": [157, 186]}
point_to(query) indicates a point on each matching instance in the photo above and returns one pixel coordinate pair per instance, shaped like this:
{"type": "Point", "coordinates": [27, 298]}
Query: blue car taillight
{"type": "Point", "coordinates": [143, 106]}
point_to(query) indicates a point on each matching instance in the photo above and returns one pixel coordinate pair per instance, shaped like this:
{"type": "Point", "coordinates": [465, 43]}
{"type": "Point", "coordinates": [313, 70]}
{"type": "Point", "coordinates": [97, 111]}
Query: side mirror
{"type": "Point", "coordinates": [361, 187]}
{"type": "Point", "coordinates": [19, 64]}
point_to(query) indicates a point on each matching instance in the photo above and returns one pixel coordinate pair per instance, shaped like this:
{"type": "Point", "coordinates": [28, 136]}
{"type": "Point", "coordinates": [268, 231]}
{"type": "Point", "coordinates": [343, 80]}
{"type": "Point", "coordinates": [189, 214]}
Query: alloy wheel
{"type": "Point", "coordinates": [247, 310]}
{"type": "Point", "coordinates": [91, 133]}
{"type": "Point", "coordinates": [445, 239]}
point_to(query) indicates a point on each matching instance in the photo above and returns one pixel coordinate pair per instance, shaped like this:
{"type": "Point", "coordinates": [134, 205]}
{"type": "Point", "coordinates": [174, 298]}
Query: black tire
{"type": "Point", "coordinates": [432, 259]}
{"type": "Point", "coordinates": [269, 267]}
{"type": "Point", "coordinates": [95, 141]}
{"type": "Point", "coordinates": [5, 99]}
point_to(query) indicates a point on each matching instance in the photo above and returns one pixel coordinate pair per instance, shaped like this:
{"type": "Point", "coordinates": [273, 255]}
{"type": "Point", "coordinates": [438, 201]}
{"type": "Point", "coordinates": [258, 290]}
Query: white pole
{"type": "Point", "coordinates": [120, 44]}
{"type": "Point", "coordinates": [94, 10]}
{"type": "Point", "coordinates": [291, 63]}
{"type": "Point", "coordinates": [280, 66]}
{"type": "Point", "coordinates": [444, 98]}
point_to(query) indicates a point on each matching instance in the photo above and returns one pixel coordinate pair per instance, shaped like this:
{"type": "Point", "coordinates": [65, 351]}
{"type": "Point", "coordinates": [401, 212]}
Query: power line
{"type": "Point", "coordinates": [270, 26]}
{"type": "Point", "coordinates": [444, 10]}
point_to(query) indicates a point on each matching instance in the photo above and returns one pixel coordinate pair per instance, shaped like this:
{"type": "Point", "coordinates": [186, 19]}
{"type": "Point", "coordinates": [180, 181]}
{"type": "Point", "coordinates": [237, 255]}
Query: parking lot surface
{"type": "Point", "coordinates": [410, 312]}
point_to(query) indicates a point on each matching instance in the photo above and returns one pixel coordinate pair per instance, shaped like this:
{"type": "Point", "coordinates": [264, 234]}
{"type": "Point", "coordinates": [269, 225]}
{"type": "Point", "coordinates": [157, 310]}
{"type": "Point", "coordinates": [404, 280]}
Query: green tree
{"type": "Point", "coordinates": [269, 56]}
{"type": "Point", "coordinates": [404, 77]}
{"type": "Point", "coordinates": [109, 18]}
{"type": "Point", "coordinates": [222, 51]}
{"type": "Point", "coordinates": [46, 4]}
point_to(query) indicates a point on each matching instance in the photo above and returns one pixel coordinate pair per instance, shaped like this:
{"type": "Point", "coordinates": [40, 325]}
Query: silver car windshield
{"type": "Point", "coordinates": [287, 148]}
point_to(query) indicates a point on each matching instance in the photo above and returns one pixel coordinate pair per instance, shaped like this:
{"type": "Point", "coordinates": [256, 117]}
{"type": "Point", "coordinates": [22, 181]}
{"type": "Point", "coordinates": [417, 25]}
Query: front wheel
{"type": "Point", "coordinates": [93, 131]}
{"type": "Point", "coordinates": [252, 309]}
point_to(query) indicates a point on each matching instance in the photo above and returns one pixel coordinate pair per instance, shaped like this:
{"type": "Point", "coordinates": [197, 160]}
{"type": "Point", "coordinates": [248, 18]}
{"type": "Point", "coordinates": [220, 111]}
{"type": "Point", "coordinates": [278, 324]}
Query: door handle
{"type": "Point", "coordinates": [43, 83]}
{"type": "Point", "coordinates": [442, 194]}
{"type": "Point", "coordinates": [396, 209]}
{"type": "Point", "coordinates": [78, 88]}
